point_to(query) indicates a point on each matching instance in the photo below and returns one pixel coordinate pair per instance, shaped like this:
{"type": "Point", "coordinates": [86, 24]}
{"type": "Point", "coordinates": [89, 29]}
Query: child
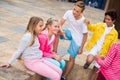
{"type": "Point", "coordinates": [104, 34]}
{"type": "Point", "coordinates": [46, 39]}
{"type": "Point", "coordinates": [29, 46]}
{"type": "Point", "coordinates": [77, 34]}
{"type": "Point", "coordinates": [110, 66]}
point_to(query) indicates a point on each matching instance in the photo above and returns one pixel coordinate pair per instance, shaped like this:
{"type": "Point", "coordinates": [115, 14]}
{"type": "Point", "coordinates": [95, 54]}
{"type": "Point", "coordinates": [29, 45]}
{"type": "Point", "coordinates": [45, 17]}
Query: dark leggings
{"type": "Point", "coordinates": [100, 76]}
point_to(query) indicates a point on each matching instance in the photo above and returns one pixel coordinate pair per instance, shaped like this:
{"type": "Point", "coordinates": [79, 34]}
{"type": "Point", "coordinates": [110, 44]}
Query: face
{"type": "Point", "coordinates": [77, 11]}
{"type": "Point", "coordinates": [39, 27]}
{"type": "Point", "coordinates": [108, 21]}
{"type": "Point", "coordinates": [54, 28]}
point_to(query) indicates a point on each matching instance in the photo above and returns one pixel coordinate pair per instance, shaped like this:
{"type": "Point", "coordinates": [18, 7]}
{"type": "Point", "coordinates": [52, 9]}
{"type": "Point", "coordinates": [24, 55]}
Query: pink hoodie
{"type": "Point", "coordinates": [46, 44]}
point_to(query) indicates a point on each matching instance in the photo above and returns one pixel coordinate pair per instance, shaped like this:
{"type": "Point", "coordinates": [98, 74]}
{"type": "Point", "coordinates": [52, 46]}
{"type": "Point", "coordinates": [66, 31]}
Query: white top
{"type": "Point", "coordinates": [27, 51]}
{"type": "Point", "coordinates": [100, 41]}
{"type": "Point", "coordinates": [77, 27]}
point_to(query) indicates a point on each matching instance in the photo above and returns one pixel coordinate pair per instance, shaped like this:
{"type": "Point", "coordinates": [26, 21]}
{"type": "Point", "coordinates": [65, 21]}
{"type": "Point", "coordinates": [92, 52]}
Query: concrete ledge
{"type": "Point", "coordinates": [79, 60]}
{"type": "Point", "coordinates": [78, 73]}
{"type": "Point", "coordinates": [18, 73]}
{"type": "Point", "coordinates": [13, 74]}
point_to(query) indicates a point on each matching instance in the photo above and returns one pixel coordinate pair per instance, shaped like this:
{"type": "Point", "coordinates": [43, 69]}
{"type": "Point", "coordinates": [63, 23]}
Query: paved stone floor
{"type": "Point", "coordinates": [15, 14]}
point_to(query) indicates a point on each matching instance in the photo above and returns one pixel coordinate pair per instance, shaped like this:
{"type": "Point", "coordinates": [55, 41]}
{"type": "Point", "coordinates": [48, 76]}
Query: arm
{"type": "Point", "coordinates": [47, 54]}
{"type": "Point", "coordinates": [24, 43]}
{"type": "Point", "coordinates": [109, 58]}
{"type": "Point", "coordinates": [92, 27]}
{"type": "Point", "coordinates": [65, 17]}
{"type": "Point", "coordinates": [83, 43]}
{"type": "Point", "coordinates": [55, 45]}
{"type": "Point", "coordinates": [62, 21]}
{"type": "Point", "coordinates": [22, 46]}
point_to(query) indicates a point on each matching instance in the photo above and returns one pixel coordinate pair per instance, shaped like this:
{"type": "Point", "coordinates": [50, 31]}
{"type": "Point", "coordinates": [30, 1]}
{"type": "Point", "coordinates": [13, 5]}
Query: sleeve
{"type": "Point", "coordinates": [24, 43]}
{"type": "Point", "coordinates": [48, 54]}
{"type": "Point", "coordinates": [66, 15]}
{"type": "Point", "coordinates": [116, 37]}
{"type": "Point", "coordinates": [92, 27]}
{"type": "Point", "coordinates": [43, 43]}
{"type": "Point", "coordinates": [109, 58]}
{"type": "Point", "coordinates": [84, 28]}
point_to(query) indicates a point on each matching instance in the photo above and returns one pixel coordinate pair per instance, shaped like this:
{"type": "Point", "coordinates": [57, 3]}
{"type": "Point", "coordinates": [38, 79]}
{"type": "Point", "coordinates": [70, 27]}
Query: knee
{"type": "Point", "coordinates": [57, 63]}
{"type": "Point", "coordinates": [62, 64]}
{"type": "Point", "coordinates": [53, 61]}
{"type": "Point", "coordinates": [71, 59]}
{"type": "Point", "coordinates": [90, 58]}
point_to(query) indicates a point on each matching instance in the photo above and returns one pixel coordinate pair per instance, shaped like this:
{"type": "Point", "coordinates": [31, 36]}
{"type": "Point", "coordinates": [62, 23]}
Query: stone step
{"type": "Point", "coordinates": [13, 73]}
{"type": "Point", "coordinates": [18, 72]}
{"type": "Point", "coordinates": [21, 73]}
{"type": "Point", "coordinates": [78, 73]}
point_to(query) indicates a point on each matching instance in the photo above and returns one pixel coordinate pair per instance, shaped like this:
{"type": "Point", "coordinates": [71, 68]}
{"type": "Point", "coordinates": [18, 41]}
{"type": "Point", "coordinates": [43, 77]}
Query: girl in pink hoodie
{"type": "Point", "coordinates": [46, 39]}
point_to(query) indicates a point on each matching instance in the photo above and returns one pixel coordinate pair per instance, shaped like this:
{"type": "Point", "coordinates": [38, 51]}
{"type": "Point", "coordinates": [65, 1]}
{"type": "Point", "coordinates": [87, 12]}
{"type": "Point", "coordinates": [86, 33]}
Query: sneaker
{"type": "Point", "coordinates": [62, 78]}
{"type": "Point", "coordinates": [86, 65]}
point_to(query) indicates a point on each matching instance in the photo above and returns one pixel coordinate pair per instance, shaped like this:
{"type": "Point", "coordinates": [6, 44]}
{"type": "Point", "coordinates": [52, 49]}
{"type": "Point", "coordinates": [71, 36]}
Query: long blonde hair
{"type": "Point", "coordinates": [31, 27]}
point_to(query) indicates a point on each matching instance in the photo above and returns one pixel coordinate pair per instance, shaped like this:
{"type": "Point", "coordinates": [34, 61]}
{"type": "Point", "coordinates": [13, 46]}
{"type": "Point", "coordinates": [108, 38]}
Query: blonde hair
{"type": "Point", "coordinates": [50, 22]}
{"type": "Point", "coordinates": [80, 4]}
{"type": "Point", "coordinates": [31, 27]}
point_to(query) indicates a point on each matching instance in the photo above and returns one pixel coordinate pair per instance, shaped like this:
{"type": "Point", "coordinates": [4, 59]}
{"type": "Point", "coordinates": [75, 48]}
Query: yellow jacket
{"type": "Point", "coordinates": [98, 30]}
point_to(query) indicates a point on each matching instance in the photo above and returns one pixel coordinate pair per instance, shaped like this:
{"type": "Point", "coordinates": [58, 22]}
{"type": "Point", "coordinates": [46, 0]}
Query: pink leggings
{"type": "Point", "coordinates": [44, 68]}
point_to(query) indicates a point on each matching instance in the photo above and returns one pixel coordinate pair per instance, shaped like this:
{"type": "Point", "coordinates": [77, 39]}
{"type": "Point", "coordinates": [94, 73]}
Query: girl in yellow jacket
{"type": "Point", "coordinates": [104, 34]}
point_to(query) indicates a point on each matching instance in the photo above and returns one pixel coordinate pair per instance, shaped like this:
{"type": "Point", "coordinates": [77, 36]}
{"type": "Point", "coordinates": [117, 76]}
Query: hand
{"type": "Point", "coordinates": [62, 33]}
{"type": "Point", "coordinates": [86, 21]}
{"type": "Point", "coordinates": [80, 51]}
{"type": "Point", "coordinates": [5, 65]}
{"type": "Point", "coordinates": [102, 57]}
{"type": "Point", "coordinates": [98, 56]}
{"type": "Point", "coordinates": [57, 57]}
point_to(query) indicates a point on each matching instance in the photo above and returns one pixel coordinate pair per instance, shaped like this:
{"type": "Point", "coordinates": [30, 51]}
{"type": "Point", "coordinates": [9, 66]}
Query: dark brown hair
{"type": "Point", "coordinates": [112, 14]}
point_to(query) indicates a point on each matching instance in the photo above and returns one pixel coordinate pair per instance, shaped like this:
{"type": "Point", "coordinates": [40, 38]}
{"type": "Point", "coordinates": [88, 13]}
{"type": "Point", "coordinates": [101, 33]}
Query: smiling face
{"type": "Point", "coordinates": [77, 11]}
{"type": "Point", "coordinates": [109, 21]}
{"type": "Point", "coordinates": [39, 27]}
{"type": "Point", "coordinates": [110, 17]}
{"type": "Point", "coordinates": [54, 27]}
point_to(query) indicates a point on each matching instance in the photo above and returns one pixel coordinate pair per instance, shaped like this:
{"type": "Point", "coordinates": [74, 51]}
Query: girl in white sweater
{"type": "Point", "coordinates": [29, 48]}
